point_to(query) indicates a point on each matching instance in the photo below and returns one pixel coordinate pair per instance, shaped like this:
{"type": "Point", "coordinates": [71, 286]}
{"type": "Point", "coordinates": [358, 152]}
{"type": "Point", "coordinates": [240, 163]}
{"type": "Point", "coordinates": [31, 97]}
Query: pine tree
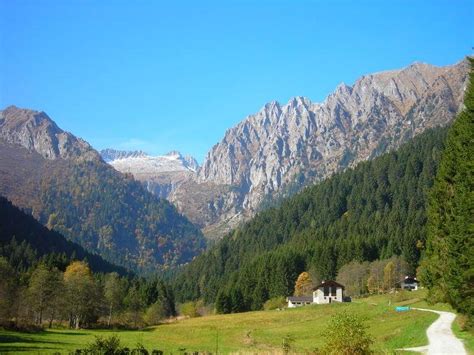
{"type": "Point", "coordinates": [448, 267]}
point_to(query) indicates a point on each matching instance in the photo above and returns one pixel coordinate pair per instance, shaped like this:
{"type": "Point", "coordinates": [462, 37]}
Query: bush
{"type": "Point", "coordinates": [346, 334]}
{"type": "Point", "coordinates": [154, 314]}
{"type": "Point", "coordinates": [274, 303]}
{"type": "Point", "coordinates": [190, 309]}
{"type": "Point", "coordinates": [105, 346]}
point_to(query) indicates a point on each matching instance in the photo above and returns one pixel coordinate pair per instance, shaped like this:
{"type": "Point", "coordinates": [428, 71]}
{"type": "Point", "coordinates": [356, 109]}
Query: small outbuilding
{"type": "Point", "coordinates": [409, 283]}
{"type": "Point", "coordinates": [326, 292]}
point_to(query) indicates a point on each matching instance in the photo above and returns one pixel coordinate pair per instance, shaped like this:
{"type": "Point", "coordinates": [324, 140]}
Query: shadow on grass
{"type": "Point", "coordinates": [15, 349]}
{"type": "Point", "coordinates": [11, 338]}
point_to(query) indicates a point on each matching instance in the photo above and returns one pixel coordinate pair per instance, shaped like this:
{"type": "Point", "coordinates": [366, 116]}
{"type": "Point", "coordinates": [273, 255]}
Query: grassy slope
{"type": "Point", "coordinates": [252, 331]}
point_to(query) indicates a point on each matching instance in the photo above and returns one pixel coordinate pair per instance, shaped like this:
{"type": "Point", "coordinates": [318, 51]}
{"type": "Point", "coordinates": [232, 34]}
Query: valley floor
{"type": "Point", "coordinates": [262, 332]}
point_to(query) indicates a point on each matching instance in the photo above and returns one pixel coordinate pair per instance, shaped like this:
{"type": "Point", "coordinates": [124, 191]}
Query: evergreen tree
{"type": "Point", "coordinates": [448, 267]}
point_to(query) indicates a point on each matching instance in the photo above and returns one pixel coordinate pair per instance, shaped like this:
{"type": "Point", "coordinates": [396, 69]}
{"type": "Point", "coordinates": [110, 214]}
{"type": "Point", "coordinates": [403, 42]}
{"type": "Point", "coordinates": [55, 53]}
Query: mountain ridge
{"type": "Point", "coordinates": [269, 150]}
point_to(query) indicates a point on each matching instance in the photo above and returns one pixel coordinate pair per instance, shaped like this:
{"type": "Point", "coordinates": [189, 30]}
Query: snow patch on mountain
{"type": "Point", "coordinates": [140, 163]}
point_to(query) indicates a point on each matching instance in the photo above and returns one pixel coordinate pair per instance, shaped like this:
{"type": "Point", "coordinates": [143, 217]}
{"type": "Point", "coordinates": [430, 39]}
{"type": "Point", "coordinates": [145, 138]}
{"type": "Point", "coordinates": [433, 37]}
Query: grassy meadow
{"type": "Point", "coordinates": [263, 331]}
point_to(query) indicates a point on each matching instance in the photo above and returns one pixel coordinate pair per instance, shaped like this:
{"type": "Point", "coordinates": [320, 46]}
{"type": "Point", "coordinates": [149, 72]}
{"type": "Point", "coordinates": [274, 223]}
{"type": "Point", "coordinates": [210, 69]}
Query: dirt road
{"type": "Point", "coordinates": [441, 339]}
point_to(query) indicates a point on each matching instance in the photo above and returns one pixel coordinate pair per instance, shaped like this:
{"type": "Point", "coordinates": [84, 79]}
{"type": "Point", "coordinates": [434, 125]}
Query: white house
{"type": "Point", "coordinates": [326, 292]}
{"type": "Point", "coordinates": [409, 283]}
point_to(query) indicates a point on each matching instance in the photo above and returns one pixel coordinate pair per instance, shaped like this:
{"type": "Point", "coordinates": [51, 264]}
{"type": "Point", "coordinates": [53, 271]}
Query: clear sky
{"type": "Point", "coordinates": [164, 75]}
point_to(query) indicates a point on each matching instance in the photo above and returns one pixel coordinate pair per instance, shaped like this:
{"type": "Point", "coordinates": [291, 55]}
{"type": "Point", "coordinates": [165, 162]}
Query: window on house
{"type": "Point", "coordinates": [326, 291]}
{"type": "Point", "coordinates": [333, 291]}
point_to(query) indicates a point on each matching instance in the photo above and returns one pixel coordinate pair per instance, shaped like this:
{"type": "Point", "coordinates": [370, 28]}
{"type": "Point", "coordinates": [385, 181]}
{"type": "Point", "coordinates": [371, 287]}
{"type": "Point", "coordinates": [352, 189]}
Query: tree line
{"type": "Point", "coordinates": [76, 297]}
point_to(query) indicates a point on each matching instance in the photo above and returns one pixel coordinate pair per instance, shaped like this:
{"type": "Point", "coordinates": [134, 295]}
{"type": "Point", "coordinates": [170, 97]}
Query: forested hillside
{"type": "Point", "coordinates": [25, 242]}
{"type": "Point", "coordinates": [89, 202]}
{"type": "Point", "coordinates": [373, 211]}
{"type": "Point", "coordinates": [93, 204]}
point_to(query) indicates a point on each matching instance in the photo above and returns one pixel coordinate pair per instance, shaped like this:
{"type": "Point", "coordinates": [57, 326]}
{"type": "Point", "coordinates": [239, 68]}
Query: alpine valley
{"type": "Point", "coordinates": [152, 212]}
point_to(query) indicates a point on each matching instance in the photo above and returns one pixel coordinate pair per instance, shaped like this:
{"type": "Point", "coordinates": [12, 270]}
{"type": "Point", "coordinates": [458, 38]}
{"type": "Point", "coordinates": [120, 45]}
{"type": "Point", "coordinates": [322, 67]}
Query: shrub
{"type": "Point", "coordinates": [106, 346]}
{"type": "Point", "coordinates": [274, 303]}
{"type": "Point", "coordinates": [189, 309]}
{"type": "Point", "coordinates": [346, 334]}
{"type": "Point", "coordinates": [154, 314]}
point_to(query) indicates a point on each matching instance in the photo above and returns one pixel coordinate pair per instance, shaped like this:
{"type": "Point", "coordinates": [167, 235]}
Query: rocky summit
{"type": "Point", "coordinates": [37, 132]}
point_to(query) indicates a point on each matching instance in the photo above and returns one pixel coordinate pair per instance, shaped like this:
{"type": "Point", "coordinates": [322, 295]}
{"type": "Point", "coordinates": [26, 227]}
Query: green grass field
{"type": "Point", "coordinates": [262, 331]}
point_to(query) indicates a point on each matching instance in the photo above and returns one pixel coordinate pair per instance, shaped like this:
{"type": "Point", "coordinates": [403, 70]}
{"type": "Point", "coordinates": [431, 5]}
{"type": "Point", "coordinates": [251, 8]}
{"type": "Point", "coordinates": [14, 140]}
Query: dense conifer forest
{"type": "Point", "coordinates": [374, 211]}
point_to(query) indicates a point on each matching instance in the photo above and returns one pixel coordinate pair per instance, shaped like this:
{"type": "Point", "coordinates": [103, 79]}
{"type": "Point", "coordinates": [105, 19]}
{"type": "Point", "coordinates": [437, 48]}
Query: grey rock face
{"type": "Point", "coordinates": [35, 131]}
{"type": "Point", "coordinates": [265, 153]}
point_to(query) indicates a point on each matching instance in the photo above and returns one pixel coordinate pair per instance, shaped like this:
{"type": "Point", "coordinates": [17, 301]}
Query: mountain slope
{"type": "Point", "coordinates": [373, 211]}
{"type": "Point", "coordinates": [285, 147]}
{"type": "Point", "coordinates": [24, 241]}
{"type": "Point", "coordinates": [78, 194]}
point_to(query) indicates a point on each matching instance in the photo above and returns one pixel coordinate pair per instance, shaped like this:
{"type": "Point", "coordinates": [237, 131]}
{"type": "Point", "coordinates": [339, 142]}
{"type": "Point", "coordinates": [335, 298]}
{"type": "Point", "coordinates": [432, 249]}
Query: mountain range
{"type": "Point", "coordinates": [274, 153]}
{"type": "Point", "coordinates": [115, 202]}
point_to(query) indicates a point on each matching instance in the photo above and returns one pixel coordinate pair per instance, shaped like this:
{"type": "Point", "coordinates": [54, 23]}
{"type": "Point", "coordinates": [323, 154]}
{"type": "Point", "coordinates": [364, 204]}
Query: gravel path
{"type": "Point", "coordinates": [440, 336]}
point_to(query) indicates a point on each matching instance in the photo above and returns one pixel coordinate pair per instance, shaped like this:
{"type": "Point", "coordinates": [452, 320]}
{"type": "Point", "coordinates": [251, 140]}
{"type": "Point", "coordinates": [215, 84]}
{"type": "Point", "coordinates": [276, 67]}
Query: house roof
{"type": "Point", "coordinates": [300, 299]}
{"type": "Point", "coordinates": [409, 279]}
{"type": "Point", "coordinates": [329, 283]}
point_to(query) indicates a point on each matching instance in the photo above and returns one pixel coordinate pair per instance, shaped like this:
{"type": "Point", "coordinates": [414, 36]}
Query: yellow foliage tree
{"type": "Point", "coordinates": [303, 285]}
{"type": "Point", "coordinates": [389, 277]}
{"type": "Point", "coordinates": [81, 293]}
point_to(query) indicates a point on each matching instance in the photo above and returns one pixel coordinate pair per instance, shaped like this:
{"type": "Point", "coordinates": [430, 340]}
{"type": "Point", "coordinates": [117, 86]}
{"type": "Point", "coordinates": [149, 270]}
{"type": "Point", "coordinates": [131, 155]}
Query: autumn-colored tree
{"type": "Point", "coordinates": [389, 276]}
{"type": "Point", "coordinates": [303, 285]}
{"type": "Point", "coordinates": [81, 294]}
{"type": "Point", "coordinates": [372, 286]}
{"type": "Point", "coordinates": [354, 277]}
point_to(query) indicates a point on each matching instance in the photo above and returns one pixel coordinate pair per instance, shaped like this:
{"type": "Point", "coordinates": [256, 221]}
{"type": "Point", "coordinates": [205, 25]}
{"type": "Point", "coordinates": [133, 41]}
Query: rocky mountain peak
{"type": "Point", "coordinates": [264, 153]}
{"type": "Point", "coordinates": [36, 131]}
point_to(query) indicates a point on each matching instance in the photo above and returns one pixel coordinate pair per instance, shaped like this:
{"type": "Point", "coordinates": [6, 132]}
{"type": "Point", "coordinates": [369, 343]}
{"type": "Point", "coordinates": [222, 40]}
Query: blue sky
{"type": "Point", "coordinates": [165, 75]}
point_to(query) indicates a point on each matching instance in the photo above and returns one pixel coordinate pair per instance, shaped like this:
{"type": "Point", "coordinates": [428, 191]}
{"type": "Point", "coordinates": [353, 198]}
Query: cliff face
{"type": "Point", "coordinates": [281, 146]}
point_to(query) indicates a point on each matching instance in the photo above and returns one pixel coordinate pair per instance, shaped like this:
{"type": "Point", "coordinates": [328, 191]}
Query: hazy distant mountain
{"type": "Point", "coordinates": [66, 185]}
{"type": "Point", "coordinates": [112, 154]}
{"type": "Point", "coordinates": [160, 174]}
{"type": "Point", "coordinates": [283, 147]}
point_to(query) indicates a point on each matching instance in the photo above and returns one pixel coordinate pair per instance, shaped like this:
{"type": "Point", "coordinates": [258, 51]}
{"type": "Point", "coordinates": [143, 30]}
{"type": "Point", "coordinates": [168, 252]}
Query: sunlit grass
{"type": "Point", "coordinates": [247, 332]}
